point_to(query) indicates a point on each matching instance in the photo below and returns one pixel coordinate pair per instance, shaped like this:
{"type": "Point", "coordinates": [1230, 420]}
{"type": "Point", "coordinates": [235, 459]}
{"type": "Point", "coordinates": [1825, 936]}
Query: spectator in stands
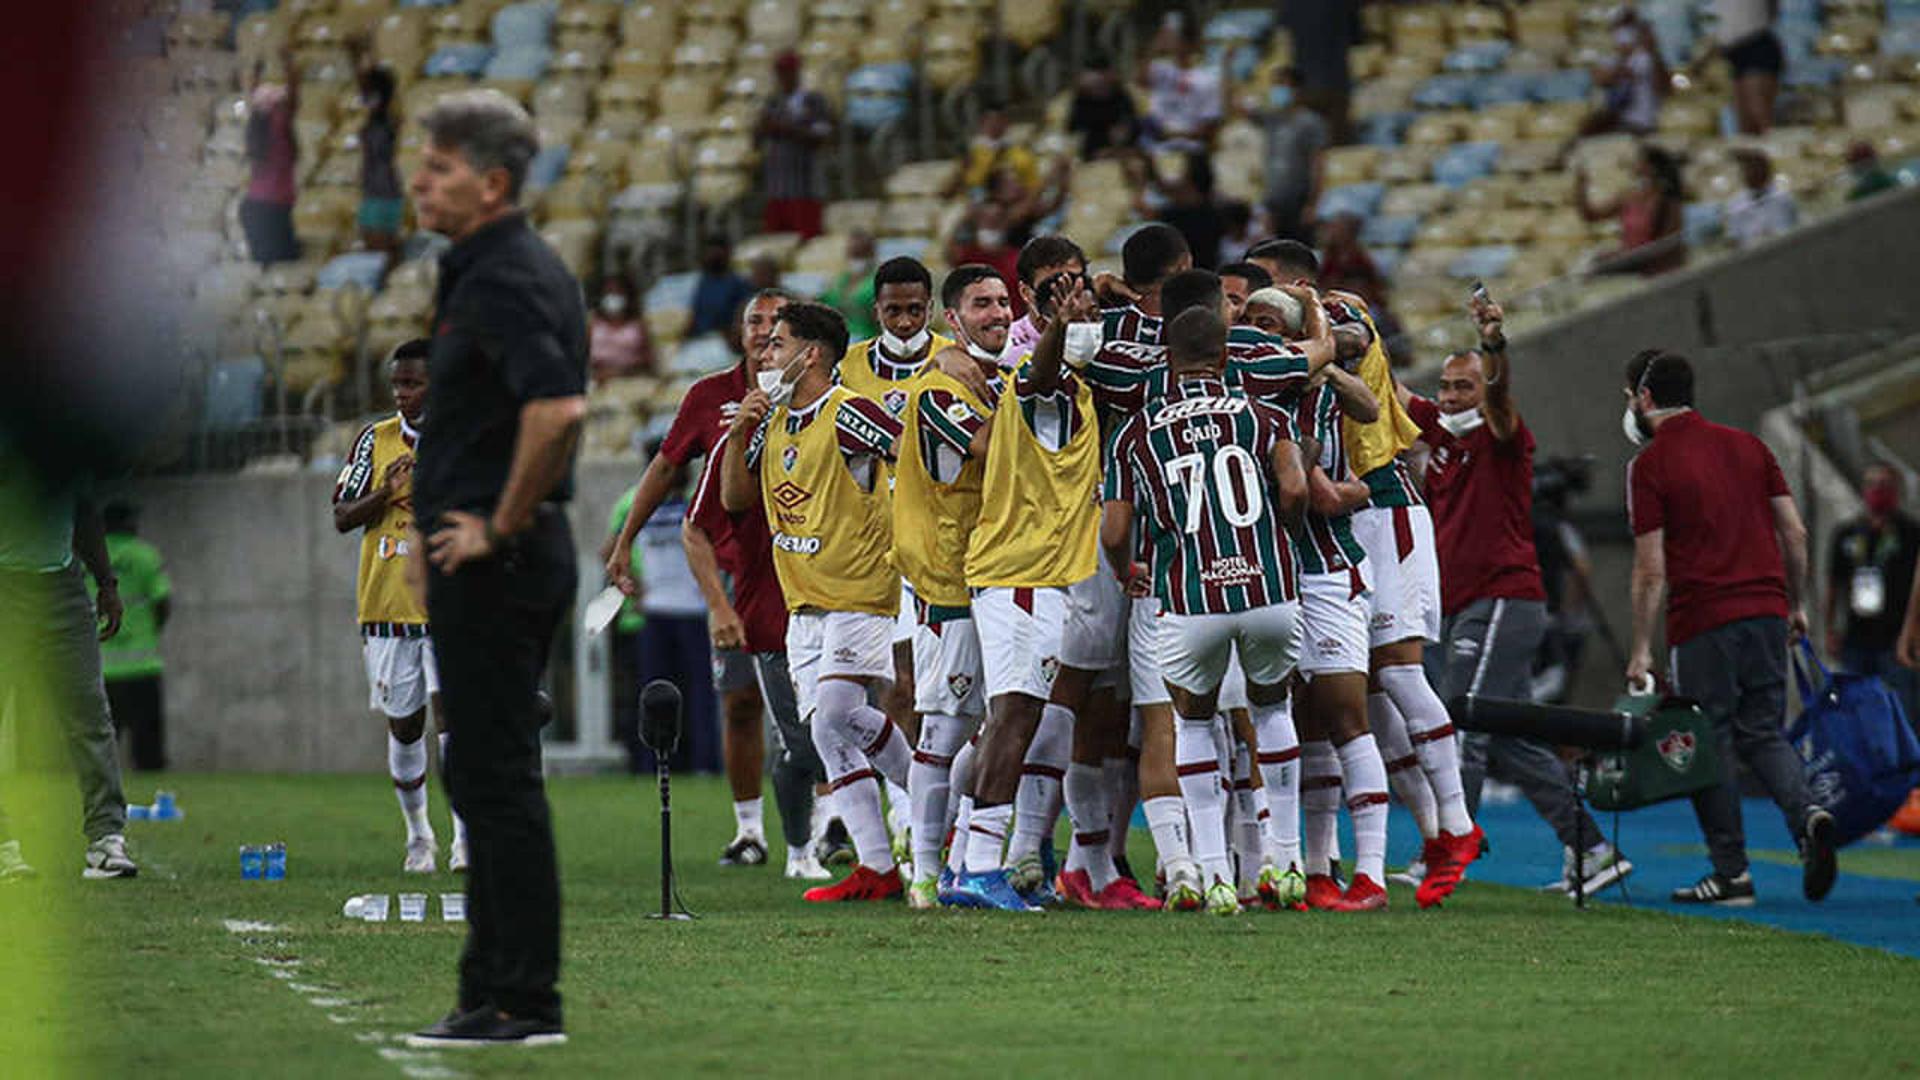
{"type": "Point", "coordinates": [763, 272]}
{"type": "Point", "coordinates": [719, 292]}
{"type": "Point", "coordinates": [381, 205]}
{"type": "Point", "coordinates": [1764, 208]}
{"type": "Point", "coordinates": [1185, 94]}
{"type": "Point", "coordinates": [266, 214]}
{"type": "Point", "coordinates": [1717, 534]}
{"type": "Point", "coordinates": [1652, 215]}
{"type": "Point", "coordinates": [1743, 33]}
{"type": "Point", "coordinates": [1102, 113]}
{"type": "Point", "coordinates": [1634, 82]}
{"type": "Point", "coordinates": [851, 293]}
{"type": "Point", "coordinates": [130, 661]}
{"type": "Point", "coordinates": [1296, 138]}
{"type": "Point", "coordinates": [618, 342]}
{"type": "Point", "coordinates": [793, 124]}
{"type": "Point", "coordinates": [1345, 264]}
{"type": "Point", "coordinates": [1866, 175]}
{"type": "Point", "coordinates": [981, 237]}
{"type": "Point", "coordinates": [1323, 31]}
{"type": "Point", "coordinates": [1869, 574]}
{"type": "Point", "coordinates": [1245, 226]}
{"type": "Point", "coordinates": [990, 153]}
{"type": "Point", "coordinates": [1188, 205]}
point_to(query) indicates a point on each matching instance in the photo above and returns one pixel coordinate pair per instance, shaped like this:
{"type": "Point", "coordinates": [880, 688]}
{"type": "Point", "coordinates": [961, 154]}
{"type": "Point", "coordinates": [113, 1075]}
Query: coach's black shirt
{"type": "Point", "coordinates": [509, 327]}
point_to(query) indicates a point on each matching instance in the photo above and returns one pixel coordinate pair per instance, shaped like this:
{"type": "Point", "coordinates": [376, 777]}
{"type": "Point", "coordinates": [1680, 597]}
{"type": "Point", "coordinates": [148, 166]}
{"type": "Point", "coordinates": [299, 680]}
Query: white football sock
{"type": "Point", "coordinates": [1036, 805]}
{"type": "Point", "coordinates": [1319, 805]}
{"type": "Point", "coordinates": [1366, 784]}
{"type": "Point", "coordinates": [858, 800]}
{"type": "Point", "coordinates": [1197, 760]}
{"type": "Point", "coordinates": [1121, 777]}
{"type": "Point", "coordinates": [962, 782]}
{"type": "Point", "coordinates": [900, 805]}
{"type": "Point", "coordinates": [1249, 841]}
{"type": "Point", "coordinates": [747, 821]}
{"type": "Point", "coordinates": [407, 765]}
{"type": "Point", "coordinates": [1086, 796]}
{"type": "Point", "coordinates": [1404, 774]}
{"type": "Point", "coordinates": [878, 737]}
{"type": "Point", "coordinates": [1279, 759]}
{"type": "Point", "coordinates": [1167, 821]}
{"type": "Point", "coordinates": [987, 837]}
{"type": "Point", "coordinates": [1431, 733]}
{"type": "Point", "coordinates": [459, 823]}
{"type": "Point", "coordinates": [929, 781]}
{"type": "Point", "coordinates": [957, 844]}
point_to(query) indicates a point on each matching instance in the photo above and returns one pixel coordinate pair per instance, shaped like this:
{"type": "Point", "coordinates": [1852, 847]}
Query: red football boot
{"type": "Point", "coordinates": [1123, 894]}
{"type": "Point", "coordinates": [1444, 876]}
{"type": "Point", "coordinates": [864, 883]}
{"type": "Point", "coordinates": [1323, 893]}
{"type": "Point", "coordinates": [1363, 895]}
{"type": "Point", "coordinates": [1075, 887]}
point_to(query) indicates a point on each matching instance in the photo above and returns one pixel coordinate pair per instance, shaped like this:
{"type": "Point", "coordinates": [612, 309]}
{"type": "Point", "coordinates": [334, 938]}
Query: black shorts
{"type": "Point", "coordinates": [1758, 53]}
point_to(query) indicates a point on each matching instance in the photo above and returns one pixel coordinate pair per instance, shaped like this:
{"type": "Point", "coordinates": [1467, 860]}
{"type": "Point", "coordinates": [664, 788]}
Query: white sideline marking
{"type": "Point", "coordinates": [309, 988]}
{"type": "Point", "coordinates": [330, 1002]}
{"type": "Point", "coordinates": [244, 926]}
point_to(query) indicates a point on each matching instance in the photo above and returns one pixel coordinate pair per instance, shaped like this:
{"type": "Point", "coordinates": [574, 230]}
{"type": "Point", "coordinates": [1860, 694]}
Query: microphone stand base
{"type": "Point", "coordinates": [670, 916]}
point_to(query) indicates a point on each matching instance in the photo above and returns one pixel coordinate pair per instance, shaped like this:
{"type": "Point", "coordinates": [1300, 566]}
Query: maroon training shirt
{"type": "Point", "coordinates": [704, 414]}
{"type": "Point", "coordinates": [745, 550]}
{"type": "Point", "coordinates": [1480, 492]}
{"type": "Point", "coordinates": [1710, 488]}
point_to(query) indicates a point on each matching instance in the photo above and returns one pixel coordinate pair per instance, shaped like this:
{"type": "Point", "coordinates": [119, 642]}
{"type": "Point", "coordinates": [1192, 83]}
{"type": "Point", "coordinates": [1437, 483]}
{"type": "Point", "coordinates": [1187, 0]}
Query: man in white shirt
{"type": "Point", "coordinates": [1764, 208]}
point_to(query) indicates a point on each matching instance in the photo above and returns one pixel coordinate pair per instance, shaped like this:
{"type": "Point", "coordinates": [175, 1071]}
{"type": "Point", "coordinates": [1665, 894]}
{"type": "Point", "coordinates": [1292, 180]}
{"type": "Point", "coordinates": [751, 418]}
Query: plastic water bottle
{"type": "Point", "coordinates": [453, 907]}
{"type": "Point", "coordinates": [253, 862]}
{"type": "Point", "coordinates": [137, 812]}
{"type": "Point", "coordinates": [276, 862]}
{"type": "Point", "coordinates": [165, 808]}
{"type": "Point", "coordinates": [413, 906]}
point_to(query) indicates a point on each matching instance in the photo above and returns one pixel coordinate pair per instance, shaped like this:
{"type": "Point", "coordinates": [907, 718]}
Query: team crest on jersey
{"type": "Point", "coordinates": [895, 401]}
{"type": "Point", "coordinates": [788, 456]}
{"type": "Point", "coordinates": [1676, 749]}
{"type": "Point", "coordinates": [959, 684]}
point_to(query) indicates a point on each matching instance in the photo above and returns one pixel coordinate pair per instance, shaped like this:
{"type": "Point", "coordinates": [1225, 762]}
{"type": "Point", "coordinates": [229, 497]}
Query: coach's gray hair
{"type": "Point", "coordinates": [489, 129]}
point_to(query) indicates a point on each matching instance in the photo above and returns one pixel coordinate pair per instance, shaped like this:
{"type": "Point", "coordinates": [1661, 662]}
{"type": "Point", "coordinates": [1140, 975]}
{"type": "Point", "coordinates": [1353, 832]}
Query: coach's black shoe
{"type": "Point", "coordinates": [1718, 890]}
{"type": "Point", "coordinates": [486, 1026]}
{"type": "Point", "coordinates": [836, 847]}
{"type": "Point", "coordinates": [1818, 865]}
{"type": "Point", "coordinates": [744, 851]}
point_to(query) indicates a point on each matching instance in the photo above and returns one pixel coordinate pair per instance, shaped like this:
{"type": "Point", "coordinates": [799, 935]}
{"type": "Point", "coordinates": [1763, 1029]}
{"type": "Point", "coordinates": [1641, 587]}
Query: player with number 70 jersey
{"type": "Point", "coordinates": [1195, 467]}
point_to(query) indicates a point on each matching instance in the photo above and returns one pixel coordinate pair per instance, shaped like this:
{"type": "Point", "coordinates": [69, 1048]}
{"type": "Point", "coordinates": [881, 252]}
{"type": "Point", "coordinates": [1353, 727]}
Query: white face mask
{"type": "Point", "coordinates": [1083, 342]}
{"type": "Point", "coordinates": [613, 304]}
{"type": "Point", "coordinates": [774, 384]}
{"type": "Point", "coordinates": [990, 238]}
{"type": "Point", "coordinates": [903, 347]}
{"type": "Point", "coordinates": [1630, 427]}
{"type": "Point", "coordinates": [1458, 424]}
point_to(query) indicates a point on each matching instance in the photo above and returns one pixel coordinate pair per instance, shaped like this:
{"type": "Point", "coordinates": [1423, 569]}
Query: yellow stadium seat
{"type": "Point", "coordinates": [560, 97]}
{"type": "Point", "coordinates": [649, 24]}
{"type": "Point", "coordinates": [458, 24]}
{"type": "Point", "coordinates": [853, 215]}
{"type": "Point", "coordinates": [1415, 199]}
{"type": "Point", "coordinates": [585, 58]}
{"type": "Point", "coordinates": [601, 160]}
{"type": "Point", "coordinates": [1349, 164]}
{"type": "Point", "coordinates": [618, 93]}
{"type": "Point", "coordinates": [194, 31]}
{"type": "Point", "coordinates": [685, 97]}
{"type": "Point", "coordinates": [580, 195]}
{"type": "Point", "coordinates": [1476, 22]}
{"type": "Point", "coordinates": [1555, 121]}
{"type": "Point", "coordinates": [401, 33]}
{"type": "Point", "coordinates": [913, 217]}
{"type": "Point", "coordinates": [734, 118]}
{"type": "Point", "coordinates": [587, 18]}
{"type": "Point", "coordinates": [950, 57]}
{"type": "Point", "coordinates": [776, 22]}
{"type": "Point", "coordinates": [1029, 23]}
{"type": "Point", "coordinates": [1419, 28]}
{"type": "Point", "coordinates": [1438, 128]}
{"type": "Point", "coordinates": [824, 254]}
{"type": "Point", "coordinates": [641, 63]}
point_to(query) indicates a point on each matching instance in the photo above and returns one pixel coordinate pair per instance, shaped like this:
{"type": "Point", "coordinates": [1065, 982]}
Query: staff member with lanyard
{"type": "Point", "coordinates": [509, 365]}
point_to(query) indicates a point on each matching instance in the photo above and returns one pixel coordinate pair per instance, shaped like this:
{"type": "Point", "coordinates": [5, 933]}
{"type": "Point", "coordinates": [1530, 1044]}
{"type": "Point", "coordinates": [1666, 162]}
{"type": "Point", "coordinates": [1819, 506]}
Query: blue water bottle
{"type": "Point", "coordinates": [276, 862]}
{"type": "Point", "coordinates": [253, 862]}
{"type": "Point", "coordinates": [164, 807]}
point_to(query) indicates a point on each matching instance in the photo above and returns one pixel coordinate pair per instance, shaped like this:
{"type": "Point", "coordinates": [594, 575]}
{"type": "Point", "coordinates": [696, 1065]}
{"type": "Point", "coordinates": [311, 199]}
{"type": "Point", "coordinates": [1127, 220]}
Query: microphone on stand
{"type": "Point", "coordinates": [660, 709]}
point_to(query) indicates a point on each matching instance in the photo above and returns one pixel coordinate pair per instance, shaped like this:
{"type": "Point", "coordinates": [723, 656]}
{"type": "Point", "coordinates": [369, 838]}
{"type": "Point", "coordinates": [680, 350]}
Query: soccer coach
{"type": "Point", "coordinates": [508, 366]}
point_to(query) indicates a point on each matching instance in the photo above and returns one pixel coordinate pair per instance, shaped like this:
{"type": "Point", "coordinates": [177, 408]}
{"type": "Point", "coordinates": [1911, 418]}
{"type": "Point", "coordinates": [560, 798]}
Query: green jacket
{"type": "Point", "coordinates": [134, 653]}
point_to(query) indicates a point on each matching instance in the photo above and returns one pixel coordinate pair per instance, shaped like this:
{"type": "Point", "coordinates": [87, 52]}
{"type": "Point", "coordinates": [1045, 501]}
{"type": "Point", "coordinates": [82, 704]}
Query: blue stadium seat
{"type": "Point", "coordinates": [1702, 221]}
{"type": "Point", "coordinates": [1815, 71]}
{"type": "Point", "coordinates": [698, 356]}
{"type": "Point", "coordinates": [362, 268]}
{"type": "Point", "coordinates": [1362, 199]}
{"type": "Point", "coordinates": [519, 62]}
{"type": "Point", "coordinates": [548, 166]}
{"type": "Point", "coordinates": [1571, 85]}
{"type": "Point", "coordinates": [877, 95]}
{"type": "Point", "coordinates": [1902, 38]}
{"type": "Point", "coordinates": [806, 283]}
{"type": "Point", "coordinates": [523, 24]}
{"type": "Point", "coordinates": [456, 60]}
{"type": "Point", "coordinates": [1903, 11]}
{"type": "Point", "coordinates": [1445, 92]}
{"type": "Point", "coordinates": [427, 3]}
{"type": "Point", "coordinates": [1387, 260]}
{"type": "Point", "coordinates": [1386, 129]}
{"type": "Point", "coordinates": [1239, 24]}
{"type": "Point", "coordinates": [1503, 88]}
{"type": "Point", "coordinates": [1481, 263]}
{"type": "Point", "coordinates": [1390, 230]}
{"type": "Point", "coordinates": [1479, 56]}
{"type": "Point", "coordinates": [673, 291]}
{"type": "Point", "coordinates": [1464, 163]}
{"type": "Point", "coordinates": [233, 394]}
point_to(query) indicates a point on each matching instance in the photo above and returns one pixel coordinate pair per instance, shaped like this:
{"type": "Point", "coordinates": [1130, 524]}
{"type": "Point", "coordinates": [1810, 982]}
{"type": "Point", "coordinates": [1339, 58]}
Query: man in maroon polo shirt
{"type": "Point", "coordinates": [1479, 482]}
{"type": "Point", "coordinates": [1715, 528]}
{"type": "Point", "coordinates": [698, 426]}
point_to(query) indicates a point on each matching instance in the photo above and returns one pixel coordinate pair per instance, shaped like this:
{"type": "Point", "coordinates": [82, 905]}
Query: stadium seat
{"type": "Point", "coordinates": [464, 59]}
{"type": "Point", "coordinates": [234, 390]}
{"type": "Point", "coordinates": [1360, 199]}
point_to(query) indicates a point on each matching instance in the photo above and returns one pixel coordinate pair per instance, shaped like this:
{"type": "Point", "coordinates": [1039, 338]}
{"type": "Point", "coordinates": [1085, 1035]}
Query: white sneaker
{"type": "Point", "coordinates": [107, 858]}
{"type": "Point", "coordinates": [802, 866]}
{"type": "Point", "coordinates": [420, 859]}
{"type": "Point", "coordinates": [13, 865]}
{"type": "Point", "coordinates": [457, 857]}
{"type": "Point", "coordinates": [1411, 875]}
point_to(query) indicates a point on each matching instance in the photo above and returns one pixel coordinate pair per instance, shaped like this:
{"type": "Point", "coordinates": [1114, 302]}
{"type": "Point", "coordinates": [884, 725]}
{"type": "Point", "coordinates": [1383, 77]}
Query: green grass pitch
{"type": "Point", "coordinates": [146, 978]}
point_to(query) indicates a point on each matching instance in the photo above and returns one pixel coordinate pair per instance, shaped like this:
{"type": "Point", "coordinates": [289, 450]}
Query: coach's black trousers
{"type": "Point", "coordinates": [493, 623]}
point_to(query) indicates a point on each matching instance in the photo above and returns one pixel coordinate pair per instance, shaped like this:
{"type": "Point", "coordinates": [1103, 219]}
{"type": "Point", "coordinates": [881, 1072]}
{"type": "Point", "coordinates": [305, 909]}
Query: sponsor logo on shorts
{"type": "Point", "coordinates": [846, 655]}
{"type": "Point", "coordinates": [1383, 620]}
{"type": "Point", "coordinates": [796, 545]}
{"type": "Point", "coordinates": [959, 684]}
{"type": "Point", "coordinates": [1327, 646]}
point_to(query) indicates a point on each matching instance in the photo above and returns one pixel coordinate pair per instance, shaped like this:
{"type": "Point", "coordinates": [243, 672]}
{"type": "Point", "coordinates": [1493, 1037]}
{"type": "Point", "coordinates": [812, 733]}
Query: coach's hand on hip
{"type": "Point", "coordinates": [462, 538]}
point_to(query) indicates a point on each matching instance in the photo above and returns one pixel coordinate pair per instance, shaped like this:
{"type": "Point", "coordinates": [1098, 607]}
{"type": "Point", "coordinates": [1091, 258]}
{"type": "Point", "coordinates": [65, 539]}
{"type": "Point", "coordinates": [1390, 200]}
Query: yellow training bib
{"type": "Point", "coordinates": [1039, 514]}
{"type": "Point", "coordinates": [832, 539]}
{"type": "Point", "coordinates": [381, 594]}
{"type": "Point", "coordinates": [932, 520]}
{"type": "Point", "coordinates": [1371, 446]}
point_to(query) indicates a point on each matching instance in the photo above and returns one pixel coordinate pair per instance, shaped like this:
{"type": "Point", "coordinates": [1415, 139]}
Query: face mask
{"type": "Point", "coordinates": [1624, 37]}
{"type": "Point", "coordinates": [990, 238]}
{"type": "Point", "coordinates": [1280, 97]}
{"type": "Point", "coordinates": [1635, 427]}
{"type": "Point", "coordinates": [774, 384]}
{"type": "Point", "coordinates": [900, 346]}
{"type": "Point", "coordinates": [613, 304]}
{"type": "Point", "coordinates": [1458, 424]}
{"type": "Point", "coordinates": [1083, 342]}
{"type": "Point", "coordinates": [984, 355]}
{"type": "Point", "coordinates": [1882, 500]}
